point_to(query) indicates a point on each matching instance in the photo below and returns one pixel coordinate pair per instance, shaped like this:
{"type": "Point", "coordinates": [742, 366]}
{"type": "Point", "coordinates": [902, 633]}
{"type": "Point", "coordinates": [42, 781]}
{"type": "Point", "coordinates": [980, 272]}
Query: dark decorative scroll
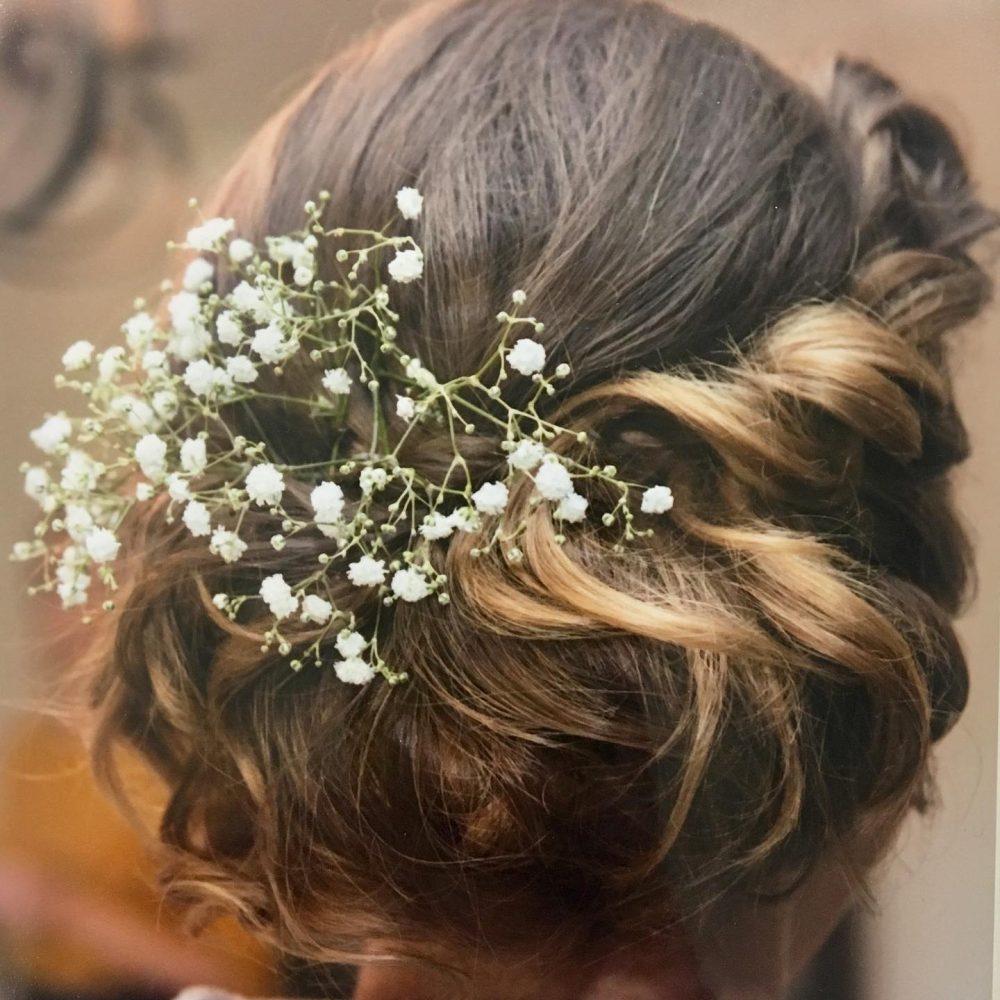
{"type": "Point", "coordinates": [76, 96]}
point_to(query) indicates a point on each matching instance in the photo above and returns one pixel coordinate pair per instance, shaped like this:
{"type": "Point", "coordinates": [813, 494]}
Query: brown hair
{"type": "Point", "coordinates": [754, 286]}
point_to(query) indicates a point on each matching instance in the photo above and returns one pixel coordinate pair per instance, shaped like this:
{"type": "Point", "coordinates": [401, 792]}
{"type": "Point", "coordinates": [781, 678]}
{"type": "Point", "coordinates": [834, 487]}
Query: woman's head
{"type": "Point", "coordinates": [754, 286]}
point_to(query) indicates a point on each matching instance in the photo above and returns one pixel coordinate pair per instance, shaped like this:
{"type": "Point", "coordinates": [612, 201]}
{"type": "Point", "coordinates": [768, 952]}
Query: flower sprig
{"type": "Point", "coordinates": [155, 427]}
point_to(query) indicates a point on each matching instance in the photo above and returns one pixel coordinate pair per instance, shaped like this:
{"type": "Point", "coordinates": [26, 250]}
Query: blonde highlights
{"type": "Point", "coordinates": [755, 288]}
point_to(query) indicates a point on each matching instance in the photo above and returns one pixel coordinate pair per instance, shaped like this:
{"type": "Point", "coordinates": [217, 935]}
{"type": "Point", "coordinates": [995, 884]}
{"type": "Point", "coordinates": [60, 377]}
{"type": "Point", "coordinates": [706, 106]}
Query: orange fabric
{"type": "Point", "coordinates": [54, 819]}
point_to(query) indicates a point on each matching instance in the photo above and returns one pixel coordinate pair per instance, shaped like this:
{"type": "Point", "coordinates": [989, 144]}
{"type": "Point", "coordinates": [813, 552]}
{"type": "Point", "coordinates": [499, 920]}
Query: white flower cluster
{"type": "Point", "coordinates": [156, 427]}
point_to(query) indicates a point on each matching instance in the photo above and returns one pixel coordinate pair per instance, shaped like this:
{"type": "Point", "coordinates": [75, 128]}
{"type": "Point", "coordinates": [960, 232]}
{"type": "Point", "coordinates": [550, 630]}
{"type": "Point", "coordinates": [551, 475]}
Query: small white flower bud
{"type": "Point", "coordinates": [410, 202]}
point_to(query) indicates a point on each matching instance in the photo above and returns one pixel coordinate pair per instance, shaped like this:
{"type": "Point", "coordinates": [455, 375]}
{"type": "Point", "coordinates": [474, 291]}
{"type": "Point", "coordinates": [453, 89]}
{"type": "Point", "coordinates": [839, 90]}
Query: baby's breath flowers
{"type": "Point", "coordinates": [406, 266]}
{"type": "Point", "coordinates": [155, 426]}
{"type": "Point", "coordinates": [410, 202]}
{"type": "Point", "coordinates": [657, 500]}
{"type": "Point", "coordinates": [78, 356]}
{"type": "Point", "coordinates": [527, 356]}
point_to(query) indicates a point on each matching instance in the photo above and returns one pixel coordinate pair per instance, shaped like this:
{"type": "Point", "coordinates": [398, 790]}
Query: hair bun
{"type": "Point", "coordinates": [915, 189]}
{"type": "Point", "coordinates": [756, 290]}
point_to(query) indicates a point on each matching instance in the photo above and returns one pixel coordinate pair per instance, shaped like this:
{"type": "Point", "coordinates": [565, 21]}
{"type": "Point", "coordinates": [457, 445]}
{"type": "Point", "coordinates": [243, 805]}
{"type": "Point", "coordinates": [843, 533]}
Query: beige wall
{"type": "Point", "coordinates": [932, 939]}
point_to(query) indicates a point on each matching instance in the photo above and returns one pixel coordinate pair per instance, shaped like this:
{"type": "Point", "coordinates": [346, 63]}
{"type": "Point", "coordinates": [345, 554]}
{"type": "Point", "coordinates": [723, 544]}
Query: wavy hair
{"type": "Point", "coordinates": [756, 286]}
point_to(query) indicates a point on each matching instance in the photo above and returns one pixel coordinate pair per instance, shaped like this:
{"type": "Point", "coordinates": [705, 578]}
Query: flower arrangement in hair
{"type": "Point", "coordinates": [155, 427]}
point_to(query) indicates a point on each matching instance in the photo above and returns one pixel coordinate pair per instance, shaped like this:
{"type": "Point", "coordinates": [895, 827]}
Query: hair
{"type": "Point", "coordinates": [755, 285]}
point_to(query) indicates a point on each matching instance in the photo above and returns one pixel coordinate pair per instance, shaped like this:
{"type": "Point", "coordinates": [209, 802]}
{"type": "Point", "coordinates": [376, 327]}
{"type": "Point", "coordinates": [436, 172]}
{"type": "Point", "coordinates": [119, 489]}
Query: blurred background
{"type": "Point", "coordinates": [113, 113]}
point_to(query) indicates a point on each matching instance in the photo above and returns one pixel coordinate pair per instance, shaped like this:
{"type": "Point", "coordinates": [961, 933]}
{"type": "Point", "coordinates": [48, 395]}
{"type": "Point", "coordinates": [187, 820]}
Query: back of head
{"type": "Point", "coordinates": [755, 287]}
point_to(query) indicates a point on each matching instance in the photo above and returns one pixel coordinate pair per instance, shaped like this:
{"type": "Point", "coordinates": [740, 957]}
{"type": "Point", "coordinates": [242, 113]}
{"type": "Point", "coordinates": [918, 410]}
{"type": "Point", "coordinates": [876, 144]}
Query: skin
{"type": "Point", "coordinates": [632, 973]}
{"type": "Point", "coordinates": [755, 951]}
{"type": "Point", "coordinates": [742, 950]}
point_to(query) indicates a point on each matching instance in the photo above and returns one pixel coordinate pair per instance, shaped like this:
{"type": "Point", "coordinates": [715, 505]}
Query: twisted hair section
{"type": "Point", "coordinates": [757, 289]}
